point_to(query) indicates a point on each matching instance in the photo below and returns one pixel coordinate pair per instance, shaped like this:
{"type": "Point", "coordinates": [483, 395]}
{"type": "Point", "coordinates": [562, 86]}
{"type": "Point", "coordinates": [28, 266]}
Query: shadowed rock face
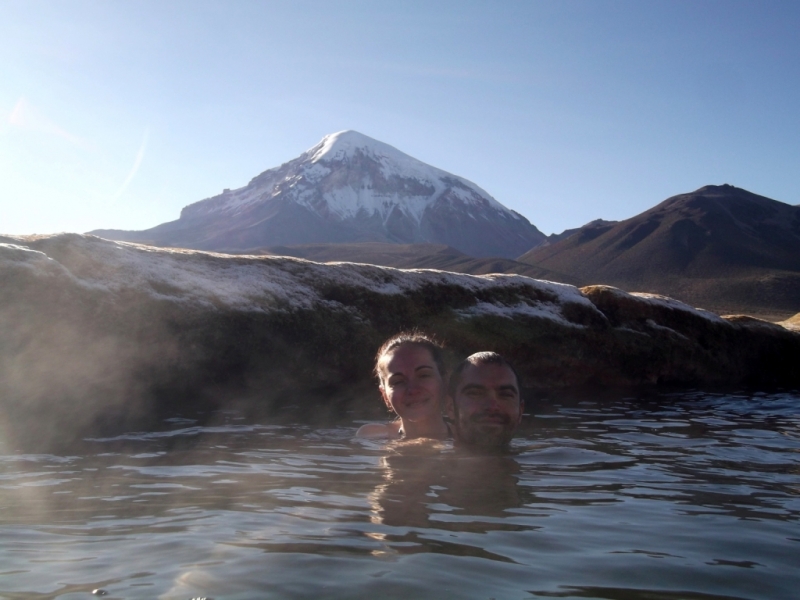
{"type": "Point", "coordinates": [97, 336]}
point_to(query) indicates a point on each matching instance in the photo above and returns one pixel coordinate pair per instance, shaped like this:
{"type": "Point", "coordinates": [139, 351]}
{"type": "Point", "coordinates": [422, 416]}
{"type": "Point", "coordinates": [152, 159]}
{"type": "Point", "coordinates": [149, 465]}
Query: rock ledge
{"type": "Point", "coordinates": [98, 334]}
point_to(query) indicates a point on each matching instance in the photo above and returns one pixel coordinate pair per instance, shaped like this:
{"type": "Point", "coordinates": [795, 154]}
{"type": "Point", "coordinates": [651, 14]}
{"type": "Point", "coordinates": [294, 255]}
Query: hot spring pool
{"type": "Point", "coordinates": [682, 496]}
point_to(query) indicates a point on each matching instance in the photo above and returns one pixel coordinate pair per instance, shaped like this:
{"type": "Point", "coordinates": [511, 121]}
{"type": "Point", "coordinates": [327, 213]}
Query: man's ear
{"type": "Point", "coordinates": [449, 407]}
{"type": "Point", "coordinates": [521, 410]}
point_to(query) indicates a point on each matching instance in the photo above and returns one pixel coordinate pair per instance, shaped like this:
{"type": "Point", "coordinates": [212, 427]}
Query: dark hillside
{"type": "Point", "coordinates": [720, 247]}
{"type": "Point", "coordinates": [601, 224]}
{"type": "Point", "coordinates": [413, 256]}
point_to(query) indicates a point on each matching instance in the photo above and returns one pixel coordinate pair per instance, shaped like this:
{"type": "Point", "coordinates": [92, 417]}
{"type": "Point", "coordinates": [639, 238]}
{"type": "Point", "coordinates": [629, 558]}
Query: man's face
{"type": "Point", "coordinates": [488, 406]}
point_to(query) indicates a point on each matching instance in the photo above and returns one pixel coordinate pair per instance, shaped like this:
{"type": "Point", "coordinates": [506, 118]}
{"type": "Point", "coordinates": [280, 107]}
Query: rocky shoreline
{"type": "Point", "coordinates": [98, 335]}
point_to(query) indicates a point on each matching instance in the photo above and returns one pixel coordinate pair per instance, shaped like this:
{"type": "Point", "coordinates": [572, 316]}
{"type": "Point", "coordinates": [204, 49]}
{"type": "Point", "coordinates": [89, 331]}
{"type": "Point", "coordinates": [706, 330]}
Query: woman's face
{"type": "Point", "coordinates": [411, 383]}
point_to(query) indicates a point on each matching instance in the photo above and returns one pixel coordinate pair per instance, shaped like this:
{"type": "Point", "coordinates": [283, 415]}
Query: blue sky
{"type": "Point", "coordinates": [117, 114]}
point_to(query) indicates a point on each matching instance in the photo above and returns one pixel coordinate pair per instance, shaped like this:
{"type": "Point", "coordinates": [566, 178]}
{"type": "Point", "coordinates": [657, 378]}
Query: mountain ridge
{"type": "Point", "coordinates": [720, 247]}
{"type": "Point", "coordinates": [413, 256]}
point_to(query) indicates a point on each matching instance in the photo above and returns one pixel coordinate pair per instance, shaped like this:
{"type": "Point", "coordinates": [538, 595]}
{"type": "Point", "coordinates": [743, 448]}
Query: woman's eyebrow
{"type": "Point", "coordinates": [423, 367]}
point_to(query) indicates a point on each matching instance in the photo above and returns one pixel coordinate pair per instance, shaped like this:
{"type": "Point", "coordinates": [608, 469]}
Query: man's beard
{"type": "Point", "coordinates": [487, 430]}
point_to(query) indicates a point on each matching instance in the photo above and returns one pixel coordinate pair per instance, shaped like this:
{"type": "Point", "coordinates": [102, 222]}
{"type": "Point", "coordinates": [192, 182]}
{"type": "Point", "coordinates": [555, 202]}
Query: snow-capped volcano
{"type": "Point", "coordinates": [349, 188]}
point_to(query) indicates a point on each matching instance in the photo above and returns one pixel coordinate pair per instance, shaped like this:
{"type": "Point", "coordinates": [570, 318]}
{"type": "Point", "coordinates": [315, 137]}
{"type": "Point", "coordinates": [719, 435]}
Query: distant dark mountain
{"type": "Point", "coordinates": [414, 256]}
{"type": "Point", "coordinates": [348, 188]}
{"type": "Point", "coordinates": [595, 226]}
{"type": "Point", "coordinates": [720, 247]}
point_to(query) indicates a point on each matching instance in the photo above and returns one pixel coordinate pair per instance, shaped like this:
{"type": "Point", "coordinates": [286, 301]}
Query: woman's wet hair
{"type": "Point", "coordinates": [412, 338]}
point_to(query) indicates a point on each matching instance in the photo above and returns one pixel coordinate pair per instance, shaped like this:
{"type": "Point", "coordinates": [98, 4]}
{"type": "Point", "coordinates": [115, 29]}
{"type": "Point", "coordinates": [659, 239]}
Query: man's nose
{"type": "Point", "coordinates": [491, 399]}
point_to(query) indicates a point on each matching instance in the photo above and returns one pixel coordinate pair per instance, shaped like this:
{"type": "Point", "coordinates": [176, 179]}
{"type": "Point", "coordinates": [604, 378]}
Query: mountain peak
{"type": "Point", "coordinates": [345, 143]}
{"type": "Point", "coordinates": [351, 147]}
{"type": "Point", "coordinates": [725, 188]}
{"type": "Point", "coordinates": [353, 188]}
{"type": "Point", "coordinates": [719, 246]}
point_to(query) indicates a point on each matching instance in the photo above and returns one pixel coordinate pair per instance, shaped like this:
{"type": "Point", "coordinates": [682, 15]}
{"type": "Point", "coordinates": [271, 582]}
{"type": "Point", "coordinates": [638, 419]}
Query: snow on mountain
{"type": "Point", "coordinates": [421, 184]}
{"type": "Point", "coordinates": [350, 188]}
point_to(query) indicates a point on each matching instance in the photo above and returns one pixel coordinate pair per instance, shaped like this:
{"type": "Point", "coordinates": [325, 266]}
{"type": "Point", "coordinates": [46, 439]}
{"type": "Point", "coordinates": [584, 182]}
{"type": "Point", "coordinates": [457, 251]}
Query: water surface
{"type": "Point", "coordinates": [681, 496]}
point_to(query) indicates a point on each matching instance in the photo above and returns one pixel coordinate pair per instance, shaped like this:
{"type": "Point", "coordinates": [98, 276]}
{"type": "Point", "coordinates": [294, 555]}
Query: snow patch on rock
{"type": "Point", "coordinates": [269, 283]}
{"type": "Point", "coordinates": [667, 302]}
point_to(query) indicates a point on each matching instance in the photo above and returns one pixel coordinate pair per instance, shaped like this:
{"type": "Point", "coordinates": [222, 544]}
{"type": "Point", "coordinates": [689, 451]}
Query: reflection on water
{"type": "Point", "coordinates": [685, 496]}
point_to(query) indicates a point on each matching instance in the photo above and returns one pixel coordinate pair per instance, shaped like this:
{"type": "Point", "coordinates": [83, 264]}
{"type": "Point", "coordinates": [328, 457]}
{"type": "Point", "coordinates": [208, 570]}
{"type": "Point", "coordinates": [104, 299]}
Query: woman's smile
{"type": "Point", "coordinates": [411, 374]}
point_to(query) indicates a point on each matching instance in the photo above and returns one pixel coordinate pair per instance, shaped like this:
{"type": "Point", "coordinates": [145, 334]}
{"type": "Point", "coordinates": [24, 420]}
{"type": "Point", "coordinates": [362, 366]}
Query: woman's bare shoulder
{"type": "Point", "coordinates": [379, 430]}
